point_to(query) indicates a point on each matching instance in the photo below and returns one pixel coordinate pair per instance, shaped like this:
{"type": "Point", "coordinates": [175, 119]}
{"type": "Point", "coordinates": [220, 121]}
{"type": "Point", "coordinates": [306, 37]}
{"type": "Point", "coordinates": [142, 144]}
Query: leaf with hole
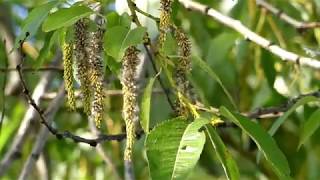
{"type": "Point", "coordinates": [174, 147]}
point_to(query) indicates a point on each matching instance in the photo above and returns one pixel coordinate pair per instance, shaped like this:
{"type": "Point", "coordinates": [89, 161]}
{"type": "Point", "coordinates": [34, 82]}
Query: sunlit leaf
{"type": "Point", "coordinates": [174, 147]}
{"type": "Point", "coordinates": [65, 17]}
{"type": "Point", "coordinates": [117, 39]}
{"type": "Point", "coordinates": [32, 23]}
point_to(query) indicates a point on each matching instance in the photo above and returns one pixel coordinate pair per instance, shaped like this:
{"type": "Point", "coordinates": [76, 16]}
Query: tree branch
{"type": "Point", "coordinates": [286, 18]}
{"type": "Point", "coordinates": [250, 35]}
{"type": "Point", "coordinates": [42, 135]}
{"type": "Point", "coordinates": [15, 150]}
{"type": "Point", "coordinates": [30, 69]}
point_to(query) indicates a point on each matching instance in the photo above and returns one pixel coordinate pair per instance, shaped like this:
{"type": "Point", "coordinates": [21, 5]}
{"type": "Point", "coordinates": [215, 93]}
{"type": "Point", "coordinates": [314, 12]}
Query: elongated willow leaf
{"type": "Point", "coordinates": [264, 141]}
{"type": "Point", "coordinates": [145, 105]}
{"type": "Point", "coordinates": [309, 127]}
{"type": "Point", "coordinates": [228, 163]}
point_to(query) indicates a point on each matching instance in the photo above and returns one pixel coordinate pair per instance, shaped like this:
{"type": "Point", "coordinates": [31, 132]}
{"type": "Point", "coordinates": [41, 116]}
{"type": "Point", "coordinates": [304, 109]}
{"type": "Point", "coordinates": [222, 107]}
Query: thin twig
{"type": "Point", "coordinates": [260, 113]}
{"type": "Point", "coordinates": [156, 19]}
{"type": "Point", "coordinates": [250, 35]}
{"type": "Point", "coordinates": [30, 69]}
{"type": "Point", "coordinates": [286, 18]}
{"type": "Point", "coordinates": [276, 111]}
{"type": "Point", "coordinates": [15, 150]}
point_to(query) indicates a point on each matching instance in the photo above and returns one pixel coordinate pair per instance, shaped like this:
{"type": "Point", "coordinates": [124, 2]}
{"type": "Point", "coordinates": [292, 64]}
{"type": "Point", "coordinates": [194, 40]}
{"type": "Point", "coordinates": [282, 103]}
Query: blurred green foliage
{"type": "Point", "coordinates": [253, 76]}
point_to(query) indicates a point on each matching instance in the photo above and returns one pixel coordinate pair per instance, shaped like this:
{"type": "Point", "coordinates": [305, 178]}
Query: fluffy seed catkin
{"type": "Point", "coordinates": [164, 24]}
{"type": "Point", "coordinates": [96, 76]}
{"type": "Point", "coordinates": [82, 62]}
{"type": "Point", "coordinates": [67, 75]}
{"type": "Point", "coordinates": [130, 104]}
{"type": "Point", "coordinates": [182, 68]}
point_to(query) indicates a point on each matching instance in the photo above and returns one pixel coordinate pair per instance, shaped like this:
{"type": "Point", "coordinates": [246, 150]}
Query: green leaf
{"type": "Point", "coordinates": [264, 141]}
{"type": "Point", "coordinates": [32, 23]}
{"type": "Point", "coordinates": [49, 41]}
{"type": "Point", "coordinates": [145, 105]}
{"type": "Point", "coordinates": [117, 39]}
{"type": "Point", "coordinates": [113, 19]}
{"type": "Point", "coordinates": [309, 127]}
{"type": "Point", "coordinates": [174, 147]}
{"type": "Point", "coordinates": [65, 17]}
{"type": "Point", "coordinates": [228, 163]}
{"type": "Point", "coordinates": [275, 126]}
{"type": "Point", "coordinates": [204, 66]}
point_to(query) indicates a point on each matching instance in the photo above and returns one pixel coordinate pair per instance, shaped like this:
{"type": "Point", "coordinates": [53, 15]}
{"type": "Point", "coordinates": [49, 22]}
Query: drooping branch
{"type": "Point", "coordinates": [250, 35]}
{"type": "Point", "coordinates": [14, 151]}
{"type": "Point", "coordinates": [42, 135]}
{"type": "Point", "coordinates": [300, 25]}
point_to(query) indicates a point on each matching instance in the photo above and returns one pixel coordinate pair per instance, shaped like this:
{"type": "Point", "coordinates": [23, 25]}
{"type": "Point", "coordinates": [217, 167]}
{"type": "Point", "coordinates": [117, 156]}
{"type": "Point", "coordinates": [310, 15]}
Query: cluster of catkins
{"type": "Point", "coordinates": [183, 64]}
{"type": "Point", "coordinates": [86, 51]}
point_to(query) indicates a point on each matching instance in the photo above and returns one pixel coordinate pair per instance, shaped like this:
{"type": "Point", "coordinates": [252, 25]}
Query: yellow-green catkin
{"type": "Point", "coordinates": [164, 24]}
{"type": "Point", "coordinates": [96, 73]}
{"type": "Point", "coordinates": [130, 104]}
{"type": "Point", "coordinates": [68, 75]}
{"type": "Point", "coordinates": [182, 68]}
{"type": "Point", "coordinates": [82, 62]}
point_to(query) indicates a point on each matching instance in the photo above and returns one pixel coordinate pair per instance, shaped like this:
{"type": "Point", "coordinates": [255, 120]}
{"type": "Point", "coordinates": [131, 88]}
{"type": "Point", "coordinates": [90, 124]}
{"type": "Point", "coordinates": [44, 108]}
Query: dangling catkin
{"type": "Point", "coordinates": [67, 75]}
{"type": "Point", "coordinates": [94, 52]}
{"type": "Point", "coordinates": [130, 104]}
{"type": "Point", "coordinates": [164, 24]}
{"type": "Point", "coordinates": [83, 66]}
{"type": "Point", "coordinates": [182, 68]}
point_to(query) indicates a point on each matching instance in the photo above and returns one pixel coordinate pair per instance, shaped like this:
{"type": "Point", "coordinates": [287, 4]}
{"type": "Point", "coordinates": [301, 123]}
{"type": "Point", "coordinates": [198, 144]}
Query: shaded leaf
{"type": "Point", "coordinates": [309, 127]}
{"type": "Point", "coordinates": [204, 66]}
{"type": "Point", "coordinates": [228, 163]}
{"type": "Point", "coordinates": [65, 17]}
{"type": "Point", "coordinates": [49, 41]}
{"type": "Point", "coordinates": [114, 19]}
{"type": "Point", "coordinates": [275, 126]}
{"type": "Point", "coordinates": [145, 106]}
{"type": "Point", "coordinates": [174, 147]}
{"type": "Point", "coordinates": [117, 39]}
{"type": "Point", "coordinates": [264, 141]}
